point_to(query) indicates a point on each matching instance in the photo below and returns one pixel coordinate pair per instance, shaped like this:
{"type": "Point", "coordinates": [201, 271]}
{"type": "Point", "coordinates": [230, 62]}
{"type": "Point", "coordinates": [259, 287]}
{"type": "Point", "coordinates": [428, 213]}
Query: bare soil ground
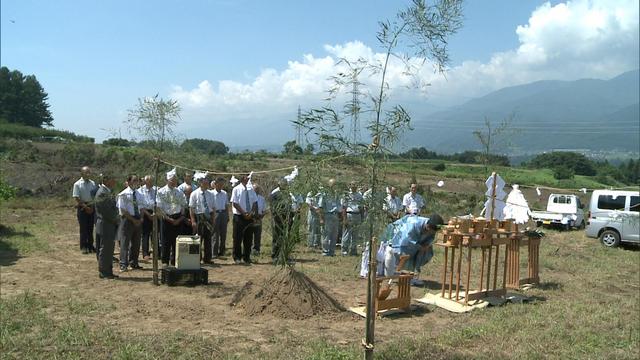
{"type": "Point", "coordinates": [135, 304]}
{"type": "Point", "coordinates": [564, 316]}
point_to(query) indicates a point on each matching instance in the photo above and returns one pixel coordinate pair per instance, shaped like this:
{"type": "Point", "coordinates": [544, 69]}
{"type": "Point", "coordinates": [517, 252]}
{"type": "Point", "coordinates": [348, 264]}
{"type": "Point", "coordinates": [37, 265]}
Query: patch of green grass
{"type": "Point", "coordinates": [22, 241]}
{"type": "Point", "coordinates": [322, 350]}
{"type": "Point", "coordinates": [517, 175]}
{"type": "Point", "coordinates": [28, 331]}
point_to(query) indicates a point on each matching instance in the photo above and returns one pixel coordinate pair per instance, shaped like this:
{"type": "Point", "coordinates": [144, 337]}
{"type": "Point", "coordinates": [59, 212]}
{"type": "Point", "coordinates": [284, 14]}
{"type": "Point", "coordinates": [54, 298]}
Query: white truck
{"type": "Point", "coordinates": [564, 211]}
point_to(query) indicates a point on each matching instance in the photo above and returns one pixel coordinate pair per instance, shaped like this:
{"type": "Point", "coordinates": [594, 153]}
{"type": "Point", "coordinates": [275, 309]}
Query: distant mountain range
{"type": "Point", "coordinates": [599, 115]}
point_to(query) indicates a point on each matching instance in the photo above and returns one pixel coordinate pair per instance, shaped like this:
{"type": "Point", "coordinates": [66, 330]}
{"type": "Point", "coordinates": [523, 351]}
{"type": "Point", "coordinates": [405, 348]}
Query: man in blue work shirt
{"type": "Point", "coordinates": [412, 236]}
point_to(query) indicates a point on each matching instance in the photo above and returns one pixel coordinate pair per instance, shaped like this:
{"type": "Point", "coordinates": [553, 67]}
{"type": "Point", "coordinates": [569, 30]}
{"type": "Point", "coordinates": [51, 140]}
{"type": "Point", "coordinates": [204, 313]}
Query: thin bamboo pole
{"type": "Point", "coordinates": [453, 257]}
{"type": "Point", "coordinates": [444, 269]}
{"type": "Point", "coordinates": [459, 270]}
{"type": "Point", "coordinates": [482, 269]}
{"type": "Point", "coordinates": [154, 235]}
{"type": "Point", "coordinates": [495, 269]}
{"type": "Point", "coordinates": [467, 289]}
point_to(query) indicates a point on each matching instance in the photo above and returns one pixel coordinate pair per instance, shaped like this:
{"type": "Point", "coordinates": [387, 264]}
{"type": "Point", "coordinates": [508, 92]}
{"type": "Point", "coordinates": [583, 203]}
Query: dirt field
{"type": "Point", "coordinates": [586, 290]}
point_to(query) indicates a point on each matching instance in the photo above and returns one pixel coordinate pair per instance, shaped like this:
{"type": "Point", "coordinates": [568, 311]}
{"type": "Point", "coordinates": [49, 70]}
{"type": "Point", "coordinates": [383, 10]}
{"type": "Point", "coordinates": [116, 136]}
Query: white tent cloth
{"type": "Point", "coordinates": [497, 213]}
{"type": "Point", "coordinates": [517, 207]}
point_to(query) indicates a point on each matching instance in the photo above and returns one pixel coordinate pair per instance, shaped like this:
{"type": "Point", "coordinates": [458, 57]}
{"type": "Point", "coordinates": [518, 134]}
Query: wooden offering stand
{"type": "Point", "coordinates": [383, 288]}
{"type": "Point", "coordinates": [513, 268]}
{"type": "Point", "coordinates": [463, 236]}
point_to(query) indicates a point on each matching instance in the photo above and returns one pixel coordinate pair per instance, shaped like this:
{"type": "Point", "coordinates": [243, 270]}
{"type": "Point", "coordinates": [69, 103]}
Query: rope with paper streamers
{"type": "Point", "coordinates": [530, 208]}
{"type": "Point", "coordinates": [582, 190]}
{"type": "Point", "coordinates": [293, 167]}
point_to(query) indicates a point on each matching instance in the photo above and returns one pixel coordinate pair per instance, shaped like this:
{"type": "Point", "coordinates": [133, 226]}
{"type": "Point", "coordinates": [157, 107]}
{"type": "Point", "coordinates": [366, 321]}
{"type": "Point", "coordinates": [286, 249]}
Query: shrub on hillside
{"type": "Point", "coordinates": [118, 142]}
{"type": "Point", "coordinates": [563, 173]}
{"type": "Point", "coordinates": [78, 154]}
{"type": "Point", "coordinates": [6, 191]}
{"type": "Point", "coordinates": [18, 150]}
{"type": "Point", "coordinates": [578, 163]}
{"type": "Point", "coordinates": [19, 131]}
{"type": "Point", "coordinates": [439, 167]}
{"type": "Point", "coordinates": [209, 147]}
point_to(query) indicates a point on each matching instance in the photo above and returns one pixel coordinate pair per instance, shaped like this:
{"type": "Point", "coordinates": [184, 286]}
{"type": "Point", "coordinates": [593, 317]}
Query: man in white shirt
{"type": "Point", "coordinates": [329, 213]}
{"type": "Point", "coordinates": [313, 220]}
{"type": "Point", "coordinates": [202, 212]}
{"type": "Point", "coordinates": [413, 202]}
{"type": "Point", "coordinates": [244, 205]}
{"type": "Point", "coordinates": [188, 181]}
{"type": "Point", "coordinates": [82, 193]}
{"type": "Point", "coordinates": [147, 198]}
{"type": "Point", "coordinates": [261, 209]}
{"type": "Point", "coordinates": [221, 219]}
{"type": "Point", "coordinates": [131, 222]}
{"type": "Point", "coordinates": [393, 205]}
{"type": "Point", "coordinates": [171, 203]}
{"type": "Point", "coordinates": [352, 209]}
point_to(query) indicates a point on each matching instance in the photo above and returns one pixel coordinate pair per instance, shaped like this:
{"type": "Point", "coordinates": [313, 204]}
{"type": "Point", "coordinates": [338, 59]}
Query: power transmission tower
{"type": "Point", "coordinates": [299, 137]}
{"type": "Point", "coordinates": [355, 109]}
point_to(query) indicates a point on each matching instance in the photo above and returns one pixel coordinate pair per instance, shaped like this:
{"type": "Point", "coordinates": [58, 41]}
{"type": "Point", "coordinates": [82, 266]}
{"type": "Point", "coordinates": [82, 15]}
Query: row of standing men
{"type": "Point", "coordinates": [187, 209]}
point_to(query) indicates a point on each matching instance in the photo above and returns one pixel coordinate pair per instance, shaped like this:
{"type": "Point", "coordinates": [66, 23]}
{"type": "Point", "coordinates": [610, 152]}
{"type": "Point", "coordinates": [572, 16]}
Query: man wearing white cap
{"type": "Point", "coordinates": [171, 203]}
{"type": "Point", "coordinates": [202, 213]}
{"type": "Point", "coordinates": [147, 194]}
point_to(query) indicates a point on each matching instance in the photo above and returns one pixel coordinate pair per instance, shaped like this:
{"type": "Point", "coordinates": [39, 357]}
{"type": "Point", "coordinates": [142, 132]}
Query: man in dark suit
{"type": "Point", "coordinates": [106, 225]}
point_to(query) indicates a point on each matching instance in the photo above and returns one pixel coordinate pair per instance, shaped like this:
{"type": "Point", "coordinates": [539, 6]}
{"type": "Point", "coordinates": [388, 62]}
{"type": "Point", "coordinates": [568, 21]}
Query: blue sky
{"type": "Point", "coordinates": [251, 61]}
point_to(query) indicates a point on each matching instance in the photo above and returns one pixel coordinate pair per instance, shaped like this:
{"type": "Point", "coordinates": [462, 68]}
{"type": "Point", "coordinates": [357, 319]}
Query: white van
{"type": "Point", "coordinates": [614, 216]}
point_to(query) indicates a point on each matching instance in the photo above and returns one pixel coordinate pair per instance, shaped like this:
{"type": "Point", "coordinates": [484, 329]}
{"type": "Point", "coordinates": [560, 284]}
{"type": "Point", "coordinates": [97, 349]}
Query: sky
{"type": "Point", "coordinates": [239, 67]}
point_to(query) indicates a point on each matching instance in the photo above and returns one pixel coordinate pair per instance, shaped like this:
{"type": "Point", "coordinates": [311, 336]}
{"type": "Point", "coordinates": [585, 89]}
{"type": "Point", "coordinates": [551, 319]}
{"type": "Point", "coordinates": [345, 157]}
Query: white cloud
{"type": "Point", "coordinates": [572, 40]}
{"type": "Point", "coordinates": [568, 41]}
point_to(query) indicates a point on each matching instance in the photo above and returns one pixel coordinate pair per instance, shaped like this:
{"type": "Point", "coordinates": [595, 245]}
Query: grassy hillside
{"type": "Point", "coordinates": [19, 131]}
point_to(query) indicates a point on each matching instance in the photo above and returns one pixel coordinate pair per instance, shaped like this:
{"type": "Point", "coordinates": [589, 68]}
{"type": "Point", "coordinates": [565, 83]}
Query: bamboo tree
{"type": "Point", "coordinates": [422, 30]}
{"type": "Point", "coordinates": [155, 118]}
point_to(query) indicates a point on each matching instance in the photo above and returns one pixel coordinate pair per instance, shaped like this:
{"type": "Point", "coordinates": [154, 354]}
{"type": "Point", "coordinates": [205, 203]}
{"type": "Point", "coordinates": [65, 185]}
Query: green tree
{"type": "Point", "coordinates": [118, 142]}
{"type": "Point", "coordinates": [292, 148]}
{"type": "Point", "coordinates": [308, 150]}
{"type": "Point", "coordinates": [210, 147]}
{"type": "Point", "coordinates": [578, 163]}
{"type": "Point", "coordinates": [22, 99]}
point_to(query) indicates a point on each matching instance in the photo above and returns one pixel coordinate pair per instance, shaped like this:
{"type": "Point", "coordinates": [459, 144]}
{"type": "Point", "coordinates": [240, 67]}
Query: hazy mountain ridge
{"type": "Point", "coordinates": [582, 114]}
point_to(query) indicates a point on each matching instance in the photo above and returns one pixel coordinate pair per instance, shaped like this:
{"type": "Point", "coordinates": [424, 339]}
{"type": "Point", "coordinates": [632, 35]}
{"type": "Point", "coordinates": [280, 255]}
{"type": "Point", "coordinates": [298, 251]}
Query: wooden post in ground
{"type": "Point", "coordinates": [154, 234]}
{"type": "Point", "coordinates": [372, 293]}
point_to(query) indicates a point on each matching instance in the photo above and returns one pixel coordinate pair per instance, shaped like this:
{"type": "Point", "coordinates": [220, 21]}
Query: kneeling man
{"type": "Point", "coordinates": [410, 236]}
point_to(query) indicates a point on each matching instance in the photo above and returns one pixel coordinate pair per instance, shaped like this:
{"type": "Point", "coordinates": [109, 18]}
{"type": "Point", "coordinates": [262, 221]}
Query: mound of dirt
{"type": "Point", "coordinates": [286, 294]}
